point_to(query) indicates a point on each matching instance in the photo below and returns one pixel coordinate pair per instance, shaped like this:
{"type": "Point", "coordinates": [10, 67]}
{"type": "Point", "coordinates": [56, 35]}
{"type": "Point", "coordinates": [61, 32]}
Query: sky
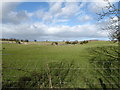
{"type": "Point", "coordinates": [52, 21]}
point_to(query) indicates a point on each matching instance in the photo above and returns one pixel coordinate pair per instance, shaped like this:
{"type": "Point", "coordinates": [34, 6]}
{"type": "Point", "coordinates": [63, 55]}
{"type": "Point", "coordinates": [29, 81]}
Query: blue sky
{"type": "Point", "coordinates": [32, 6]}
{"type": "Point", "coordinates": [52, 20]}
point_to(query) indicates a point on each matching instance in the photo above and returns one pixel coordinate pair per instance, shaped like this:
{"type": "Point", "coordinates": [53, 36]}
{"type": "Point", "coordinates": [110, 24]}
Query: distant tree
{"type": "Point", "coordinates": [26, 40]}
{"type": "Point", "coordinates": [18, 41]}
{"type": "Point", "coordinates": [75, 42]}
{"type": "Point", "coordinates": [68, 42]}
{"type": "Point", "coordinates": [83, 42]}
{"type": "Point", "coordinates": [54, 43]}
{"type": "Point", "coordinates": [22, 40]}
{"type": "Point", "coordinates": [35, 40]}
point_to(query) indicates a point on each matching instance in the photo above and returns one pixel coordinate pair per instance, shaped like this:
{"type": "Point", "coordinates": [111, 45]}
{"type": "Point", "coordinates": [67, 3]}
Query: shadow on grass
{"type": "Point", "coordinates": [106, 63]}
{"type": "Point", "coordinates": [55, 75]}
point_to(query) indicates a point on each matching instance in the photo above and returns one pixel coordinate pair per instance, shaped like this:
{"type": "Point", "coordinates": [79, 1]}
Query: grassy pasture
{"type": "Point", "coordinates": [33, 57]}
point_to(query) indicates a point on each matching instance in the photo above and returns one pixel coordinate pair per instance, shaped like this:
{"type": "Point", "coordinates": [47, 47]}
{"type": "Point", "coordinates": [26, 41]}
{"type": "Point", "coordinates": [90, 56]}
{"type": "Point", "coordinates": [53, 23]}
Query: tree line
{"type": "Point", "coordinates": [16, 40]}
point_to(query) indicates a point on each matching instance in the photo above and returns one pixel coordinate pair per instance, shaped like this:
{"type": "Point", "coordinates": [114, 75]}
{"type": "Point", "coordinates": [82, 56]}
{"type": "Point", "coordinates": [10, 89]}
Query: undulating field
{"type": "Point", "coordinates": [33, 57]}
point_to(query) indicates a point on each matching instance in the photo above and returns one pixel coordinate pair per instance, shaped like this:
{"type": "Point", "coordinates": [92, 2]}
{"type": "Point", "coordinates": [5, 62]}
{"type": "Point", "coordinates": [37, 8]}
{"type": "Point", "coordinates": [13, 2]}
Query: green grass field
{"type": "Point", "coordinates": [33, 57]}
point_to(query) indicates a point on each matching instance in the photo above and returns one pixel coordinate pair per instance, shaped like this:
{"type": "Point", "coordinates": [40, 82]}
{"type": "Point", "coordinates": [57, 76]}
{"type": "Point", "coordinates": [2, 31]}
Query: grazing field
{"type": "Point", "coordinates": [19, 58]}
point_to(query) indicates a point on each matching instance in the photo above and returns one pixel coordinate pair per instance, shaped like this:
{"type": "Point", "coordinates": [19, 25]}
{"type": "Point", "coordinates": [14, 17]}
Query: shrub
{"type": "Point", "coordinates": [54, 43]}
{"type": "Point", "coordinates": [68, 42]}
{"type": "Point", "coordinates": [75, 42]}
{"type": "Point", "coordinates": [83, 42]}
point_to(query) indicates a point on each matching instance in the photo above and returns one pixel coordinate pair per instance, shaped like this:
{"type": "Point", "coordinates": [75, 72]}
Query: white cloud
{"type": "Point", "coordinates": [101, 0]}
{"type": "Point", "coordinates": [69, 10]}
{"type": "Point", "coordinates": [8, 6]}
{"type": "Point", "coordinates": [11, 16]}
{"type": "Point", "coordinates": [15, 17]}
{"type": "Point", "coordinates": [55, 7]}
{"type": "Point", "coordinates": [85, 18]}
{"type": "Point", "coordinates": [49, 16]}
{"type": "Point", "coordinates": [39, 13]}
{"type": "Point", "coordinates": [97, 5]}
{"type": "Point", "coordinates": [58, 11]}
{"type": "Point", "coordinates": [39, 30]}
{"type": "Point", "coordinates": [62, 20]}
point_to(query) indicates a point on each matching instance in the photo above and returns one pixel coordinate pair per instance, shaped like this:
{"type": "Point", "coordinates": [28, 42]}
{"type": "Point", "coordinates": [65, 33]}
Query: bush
{"type": "Point", "coordinates": [68, 42]}
{"type": "Point", "coordinates": [54, 43]}
{"type": "Point", "coordinates": [83, 42]}
{"type": "Point", "coordinates": [75, 42]}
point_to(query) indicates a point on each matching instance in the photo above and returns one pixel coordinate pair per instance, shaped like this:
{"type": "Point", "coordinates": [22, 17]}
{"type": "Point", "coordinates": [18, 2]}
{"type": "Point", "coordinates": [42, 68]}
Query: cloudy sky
{"type": "Point", "coordinates": [52, 20]}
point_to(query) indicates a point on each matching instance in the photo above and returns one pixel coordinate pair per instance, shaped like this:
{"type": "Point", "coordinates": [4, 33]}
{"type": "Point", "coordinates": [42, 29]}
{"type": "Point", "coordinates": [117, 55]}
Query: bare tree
{"type": "Point", "coordinates": [106, 60]}
{"type": "Point", "coordinates": [112, 12]}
